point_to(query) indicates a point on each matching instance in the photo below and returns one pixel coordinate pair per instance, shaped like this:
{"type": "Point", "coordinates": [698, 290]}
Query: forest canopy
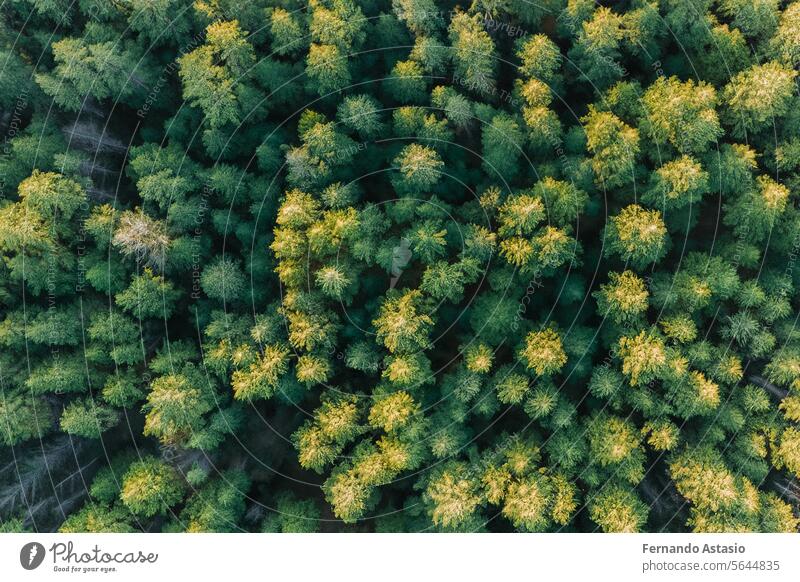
{"type": "Point", "coordinates": [399, 266]}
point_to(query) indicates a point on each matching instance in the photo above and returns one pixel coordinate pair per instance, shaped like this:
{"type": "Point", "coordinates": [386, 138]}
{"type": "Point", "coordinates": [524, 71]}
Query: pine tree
{"type": "Point", "coordinates": [637, 235]}
{"type": "Point", "coordinates": [681, 114]}
{"type": "Point", "coordinates": [758, 97]}
{"type": "Point", "coordinates": [150, 487]}
{"type": "Point", "coordinates": [615, 147]}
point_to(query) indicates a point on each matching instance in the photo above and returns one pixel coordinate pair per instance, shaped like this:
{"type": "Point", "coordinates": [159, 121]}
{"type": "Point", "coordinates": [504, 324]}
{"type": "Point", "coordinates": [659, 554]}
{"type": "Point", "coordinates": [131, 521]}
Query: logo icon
{"type": "Point", "coordinates": [401, 255]}
{"type": "Point", "coordinates": [31, 555]}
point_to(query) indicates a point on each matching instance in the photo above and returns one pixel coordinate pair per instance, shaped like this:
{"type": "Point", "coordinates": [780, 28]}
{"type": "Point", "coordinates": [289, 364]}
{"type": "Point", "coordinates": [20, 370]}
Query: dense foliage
{"type": "Point", "coordinates": [399, 265]}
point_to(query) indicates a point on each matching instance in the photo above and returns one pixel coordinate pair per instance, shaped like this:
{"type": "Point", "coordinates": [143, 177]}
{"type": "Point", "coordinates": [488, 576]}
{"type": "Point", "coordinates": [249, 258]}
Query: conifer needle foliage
{"type": "Point", "coordinates": [399, 265]}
